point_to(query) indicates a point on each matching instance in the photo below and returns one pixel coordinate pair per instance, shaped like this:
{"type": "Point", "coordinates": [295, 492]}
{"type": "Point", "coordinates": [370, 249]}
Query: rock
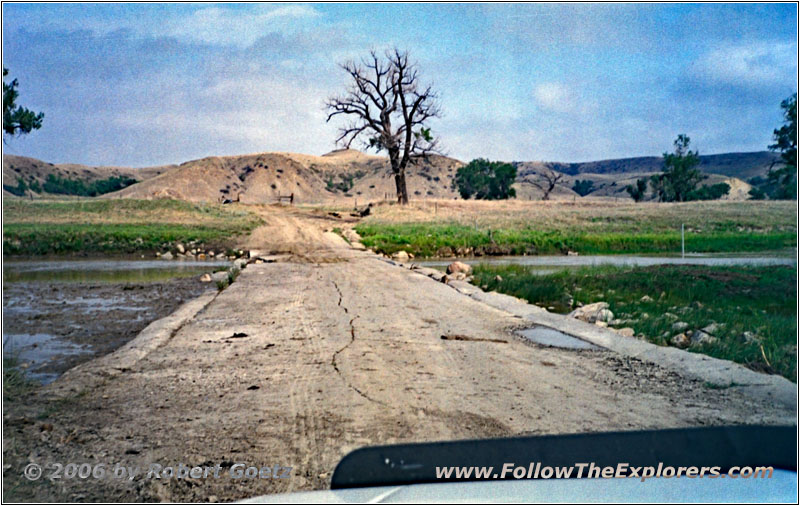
{"type": "Point", "coordinates": [401, 256]}
{"type": "Point", "coordinates": [712, 328]}
{"type": "Point", "coordinates": [411, 256]}
{"type": "Point", "coordinates": [445, 251]}
{"type": "Point", "coordinates": [572, 253]}
{"type": "Point", "coordinates": [645, 316]}
{"type": "Point", "coordinates": [180, 248]}
{"type": "Point", "coordinates": [206, 278]}
{"type": "Point", "coordinates": [700, 337]}
{"type": "Point", "coordinates": [463, 251]}
{"type": "Point", "coordinates": [601, 323]}
{"type": "Point", "coordinates": [201, 256]}
{"type": "Point", "coordinates": [211, 254]}
{"type": "Point", "coordinates": [456, 267]}
{"type": "Point", "coordinates": [219, 276]}
{"type": "Point", "coordinates": [680, 326]}
{"type": "Point", "coordinates": [167, 256]}
{"type": "Point", "coordinates": [240, 263]}
{"type": "Point", "coordinates": [593, 312]}
{"type": "Point", "coordinates": [680, 341]}
{"type": "Point", "coordinates": [626, 332]}
{"type": "Point", "coordinates": [646, 298]}
{"type": "Point", "coordinates": [498, 278]}
{"type": "Point", "coordinates": [158, 254]}
{"type": "Point", "coordinates": [670, 316]}
{"type": "Point", "coordinates": [194, 251]}
{"type": "Point", "coordinates": [750, 337]}
{"type": "Point", "coordinates": [605, 315]}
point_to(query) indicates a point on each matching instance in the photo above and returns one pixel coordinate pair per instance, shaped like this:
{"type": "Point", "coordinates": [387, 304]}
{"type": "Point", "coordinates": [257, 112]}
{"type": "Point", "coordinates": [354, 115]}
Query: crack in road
{"type": "Point", "coordinates": [334, 359]}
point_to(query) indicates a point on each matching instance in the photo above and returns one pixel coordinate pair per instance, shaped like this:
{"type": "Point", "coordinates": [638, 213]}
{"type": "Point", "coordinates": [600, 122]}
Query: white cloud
{"type": "Point", "coordinates": [553, 97]}
{"type": "Point", "coordinates": [241, 27]}
{"type": "Point", "coordinates": [755, 64]}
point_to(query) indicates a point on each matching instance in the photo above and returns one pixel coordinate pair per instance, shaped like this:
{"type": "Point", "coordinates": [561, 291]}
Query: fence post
{"type": "Point", "coordinates": [683, 244]}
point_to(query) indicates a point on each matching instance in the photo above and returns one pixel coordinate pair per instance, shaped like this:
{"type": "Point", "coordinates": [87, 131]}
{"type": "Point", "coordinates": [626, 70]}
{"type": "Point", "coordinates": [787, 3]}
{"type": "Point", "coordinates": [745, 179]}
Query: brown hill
{"type": "Point", "coordinates": [31, 169]}
{"type": "Point", "coordinates": [261, 178]}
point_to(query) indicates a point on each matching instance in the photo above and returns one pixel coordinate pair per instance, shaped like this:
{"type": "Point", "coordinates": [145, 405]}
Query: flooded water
{"type": "Point", "coordinates": [109, 271]}
{"type": "Point", "coordinates": [549, 264]}
{"type": "Point", "coordinates": [59, 313]}
{"type": "Point", "coordinates": [551, 337]}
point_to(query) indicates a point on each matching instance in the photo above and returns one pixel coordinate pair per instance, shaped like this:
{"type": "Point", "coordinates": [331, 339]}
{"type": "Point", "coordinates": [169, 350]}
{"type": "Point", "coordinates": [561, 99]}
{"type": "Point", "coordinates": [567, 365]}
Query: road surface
{"type": "Point", "coordinates": [301, 361]}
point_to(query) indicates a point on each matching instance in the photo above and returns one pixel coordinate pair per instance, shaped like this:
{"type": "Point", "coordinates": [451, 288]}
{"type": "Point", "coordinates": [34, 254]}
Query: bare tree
{"type": "Point", "coordinates": [390, 110]}
{"type": "Point", "coordinates": [551, 179]}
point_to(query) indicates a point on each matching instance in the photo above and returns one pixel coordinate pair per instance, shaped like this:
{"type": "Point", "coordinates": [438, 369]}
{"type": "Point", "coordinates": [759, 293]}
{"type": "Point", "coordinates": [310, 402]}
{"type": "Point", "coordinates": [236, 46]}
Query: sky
{"type": "Point", "coordinates": [149, 84]}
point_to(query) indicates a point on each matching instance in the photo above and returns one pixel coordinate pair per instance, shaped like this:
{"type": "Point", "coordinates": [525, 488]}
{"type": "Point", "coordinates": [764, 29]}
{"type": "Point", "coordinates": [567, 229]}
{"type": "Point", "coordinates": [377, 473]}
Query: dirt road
{"type": "Point", "coordinates": [299, 362]}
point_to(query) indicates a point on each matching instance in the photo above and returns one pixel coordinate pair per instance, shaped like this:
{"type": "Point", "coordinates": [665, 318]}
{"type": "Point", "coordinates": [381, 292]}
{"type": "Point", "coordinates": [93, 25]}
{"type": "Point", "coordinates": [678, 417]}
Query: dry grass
{"type": "Point", "coordinates": [122, 211]}
{"type": "Point", "coordinates": [596, 215]}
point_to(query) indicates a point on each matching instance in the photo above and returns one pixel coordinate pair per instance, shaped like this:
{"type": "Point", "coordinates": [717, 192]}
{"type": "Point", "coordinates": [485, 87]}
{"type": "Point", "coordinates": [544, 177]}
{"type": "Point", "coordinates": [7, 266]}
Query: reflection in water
{"type": "Point", "coordinates": [33, 351]}
{"type": "Point", "coordinates": [549, 264]}
{"type": "Point", "coordinates": [106, 271]}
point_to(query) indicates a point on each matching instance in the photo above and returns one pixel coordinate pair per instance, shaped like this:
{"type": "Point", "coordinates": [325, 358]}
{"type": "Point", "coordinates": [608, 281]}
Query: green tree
{"type": "Point", "coordinates": [17, 120]}
{"type": "Point", "coordinates": [785, 178]}
{"type": "Point", "coordinates": [681, 175]}
{"type": "Point", "coordinates": [639, 191]}
{"type": "Point", "coordinates": [486, 180]}
{"type": "Point", "coordinates": [583, 188]}
{"type": "Point", "coordinates": [713, 192]}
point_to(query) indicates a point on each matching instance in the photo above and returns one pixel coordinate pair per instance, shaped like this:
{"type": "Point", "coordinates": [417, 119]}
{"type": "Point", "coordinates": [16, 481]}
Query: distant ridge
{"type": "Point", "coordinates": [739, 165]}
{"type": "Point", "coordinates": [361, 177]}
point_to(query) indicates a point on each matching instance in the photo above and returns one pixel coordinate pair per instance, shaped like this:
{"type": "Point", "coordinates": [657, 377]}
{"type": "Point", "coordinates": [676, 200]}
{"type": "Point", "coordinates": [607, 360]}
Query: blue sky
{"type": "Point", "coordinates": [145, 84]}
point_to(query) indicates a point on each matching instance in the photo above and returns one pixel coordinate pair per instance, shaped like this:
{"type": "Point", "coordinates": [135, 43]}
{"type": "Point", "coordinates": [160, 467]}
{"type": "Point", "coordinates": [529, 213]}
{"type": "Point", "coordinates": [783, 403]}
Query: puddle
{"type": "Point", "coordinates": [33, 352]}
{"type": "Point", "coordinates": [550, 337]}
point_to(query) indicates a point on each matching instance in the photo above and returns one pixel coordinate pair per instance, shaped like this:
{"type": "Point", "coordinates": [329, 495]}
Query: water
{"type": "Point", "coordinates": [58, 313]}
{"type": "Point", "coordinates": [550, 337]}
{"type": "Point", "coordinates": [31, 352]}
{"type": "Point", "coordinates": [106, 271]}
{"type": "Point", "coordinates": [549, 264]}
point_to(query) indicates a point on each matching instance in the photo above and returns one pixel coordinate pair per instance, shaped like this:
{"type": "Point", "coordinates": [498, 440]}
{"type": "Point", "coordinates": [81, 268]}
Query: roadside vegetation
{"type": "Point", "coordinates": [461, 228]}
{"type": "Point", "coordinates": [748, 313]}
{"type": "Point", "coordinates": [118, 226]}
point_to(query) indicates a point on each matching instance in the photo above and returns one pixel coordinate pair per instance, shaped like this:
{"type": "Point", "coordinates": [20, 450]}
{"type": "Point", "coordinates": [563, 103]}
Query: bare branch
{"type": "Point", "coordinates": [391, 110]}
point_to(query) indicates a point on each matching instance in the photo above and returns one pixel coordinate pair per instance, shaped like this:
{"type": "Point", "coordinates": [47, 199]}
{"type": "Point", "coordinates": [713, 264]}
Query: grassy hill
{"type": "Point", "coordinates": [349, 175]}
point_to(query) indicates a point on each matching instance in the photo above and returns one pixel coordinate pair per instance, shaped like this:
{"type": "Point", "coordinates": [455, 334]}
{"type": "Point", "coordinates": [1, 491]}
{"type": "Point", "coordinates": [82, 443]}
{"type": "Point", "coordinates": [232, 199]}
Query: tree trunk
{"type": "Point", "coordinates": [399, 176]}
{"type": "Point", "coordinates": [402, 191]}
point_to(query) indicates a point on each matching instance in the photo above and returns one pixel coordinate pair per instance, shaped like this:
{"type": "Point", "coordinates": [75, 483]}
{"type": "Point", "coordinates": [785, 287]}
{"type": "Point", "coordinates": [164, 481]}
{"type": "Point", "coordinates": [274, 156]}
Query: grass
{"type": "Point", "coordinates": [15, 384]}
{"type": "Point", "coordinates": [118, 226]}
{"type": "Point", "coordinates": [755, 308]}
{"type": "Point", "coordinates": [442, 228]}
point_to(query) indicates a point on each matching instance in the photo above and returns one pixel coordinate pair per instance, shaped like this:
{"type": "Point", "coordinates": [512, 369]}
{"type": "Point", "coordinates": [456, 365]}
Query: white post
{"type": "Point", "coordinates": [683, 244]}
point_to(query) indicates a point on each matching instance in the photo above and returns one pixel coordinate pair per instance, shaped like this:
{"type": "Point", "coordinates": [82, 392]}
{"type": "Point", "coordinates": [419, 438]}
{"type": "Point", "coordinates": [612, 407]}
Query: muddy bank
{"type": "Point", "coordinates": [50, 327]}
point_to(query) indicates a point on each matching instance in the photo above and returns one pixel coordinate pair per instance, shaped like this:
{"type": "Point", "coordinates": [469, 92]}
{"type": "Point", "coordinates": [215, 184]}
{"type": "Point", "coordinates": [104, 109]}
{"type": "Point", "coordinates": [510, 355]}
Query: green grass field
{"type": "Point", "coordinates": [118, 226]}
{"type": "Point", "coordinates": [761, 301]}
{"type": "Point", "coordinates": [516, 228]}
